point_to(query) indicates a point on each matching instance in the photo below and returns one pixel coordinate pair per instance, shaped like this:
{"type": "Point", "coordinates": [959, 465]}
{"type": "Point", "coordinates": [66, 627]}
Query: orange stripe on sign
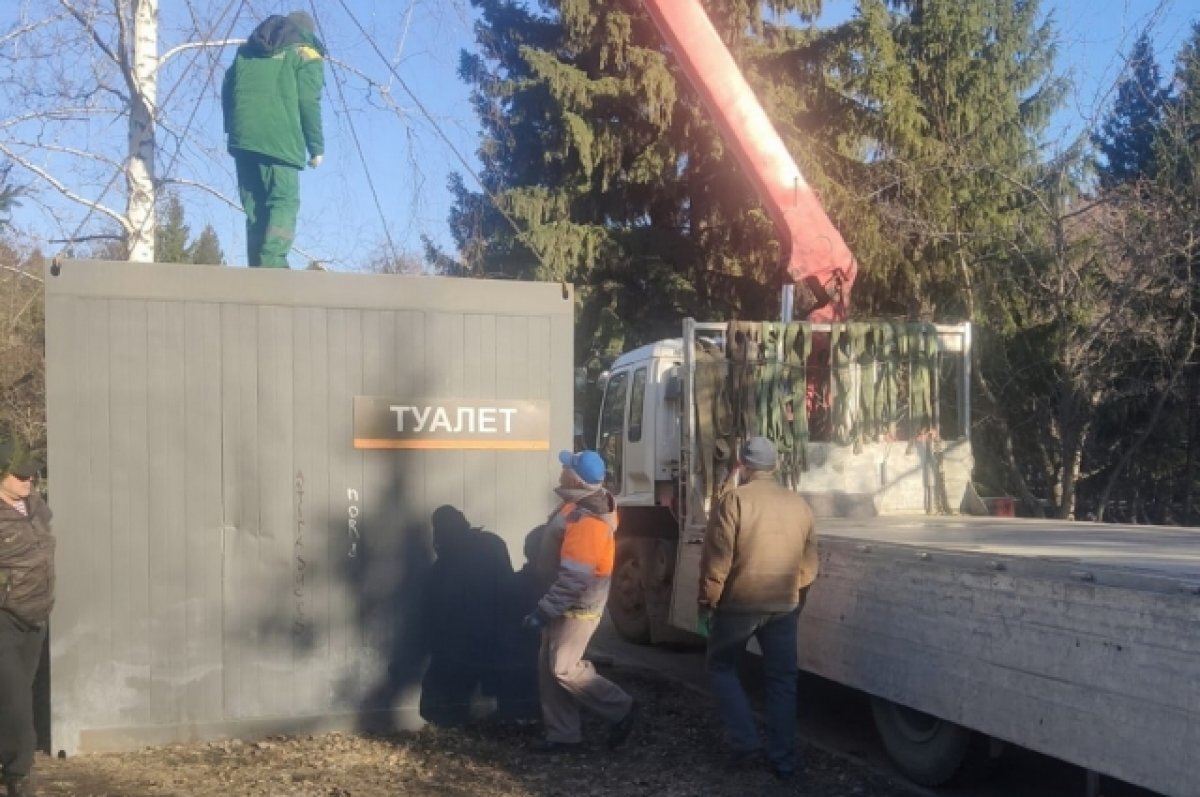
{"type": "Point", "coordinates": [458, 445]}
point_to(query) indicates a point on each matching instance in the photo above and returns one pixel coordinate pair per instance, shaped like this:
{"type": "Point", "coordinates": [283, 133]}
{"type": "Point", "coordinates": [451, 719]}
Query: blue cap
{"type": "Point", "coordinates": [588, 465]}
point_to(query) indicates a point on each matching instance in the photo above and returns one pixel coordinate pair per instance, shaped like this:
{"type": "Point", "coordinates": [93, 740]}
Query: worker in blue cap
{"type": "Point", "coordinates": [580, 537]}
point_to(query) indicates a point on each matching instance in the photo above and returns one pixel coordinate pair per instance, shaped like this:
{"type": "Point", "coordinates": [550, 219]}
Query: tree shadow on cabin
{"type": "Point", "coordinates": [388, 575]}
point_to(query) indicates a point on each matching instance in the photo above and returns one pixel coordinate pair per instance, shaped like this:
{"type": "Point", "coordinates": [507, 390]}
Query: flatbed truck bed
{"type": "Point", "coordinates": [1166, 557]}
{"type": "Point", "coordinates": [1077, 640]}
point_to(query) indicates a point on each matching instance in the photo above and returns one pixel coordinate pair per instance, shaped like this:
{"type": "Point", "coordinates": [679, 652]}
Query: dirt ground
{"type": "Point", "coordinates": [675, 751]}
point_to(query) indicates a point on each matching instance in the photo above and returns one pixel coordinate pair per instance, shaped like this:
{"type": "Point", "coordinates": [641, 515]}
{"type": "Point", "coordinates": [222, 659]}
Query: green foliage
{"type": "Point", "coordinates": [950, 99]}
{"type": "Point", "coordinates": [1177, 137]}
{"type": "Point", "coordinates": [171, 238]}
{"type": "Point", "coordinates": [600, 167]}
{"type": "Point", "coordinates": [206, 249]}
{"type": "Point", "coordinates": [1126, 138]}
{"type": "Point", "coordinates": [8, 195]}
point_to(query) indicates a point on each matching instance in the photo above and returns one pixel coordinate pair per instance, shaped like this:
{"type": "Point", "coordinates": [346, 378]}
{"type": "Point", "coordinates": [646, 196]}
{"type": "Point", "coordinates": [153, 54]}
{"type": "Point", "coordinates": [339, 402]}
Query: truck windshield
{"type": "Point", "coordinates": [636, 402]}
{"type": "Point", "coordinates": [610, 442]}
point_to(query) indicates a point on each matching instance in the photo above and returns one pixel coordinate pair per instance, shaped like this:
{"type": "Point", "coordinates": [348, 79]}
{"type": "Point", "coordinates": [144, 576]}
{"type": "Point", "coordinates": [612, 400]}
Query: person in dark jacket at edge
{"type": "Point", "coordinates": [271, 103]}
{"type": "Point", "coordinates": [578, 544]}
{"type": "Point", "coordinates": [758, 560]}
{"type": "Point", "coordinates": [26, 598]}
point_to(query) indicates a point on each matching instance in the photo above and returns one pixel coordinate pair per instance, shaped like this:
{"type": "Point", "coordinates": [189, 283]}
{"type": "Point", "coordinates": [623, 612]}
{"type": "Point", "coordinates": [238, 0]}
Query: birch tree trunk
{"type": "Point", "coordinates": [139, 172]}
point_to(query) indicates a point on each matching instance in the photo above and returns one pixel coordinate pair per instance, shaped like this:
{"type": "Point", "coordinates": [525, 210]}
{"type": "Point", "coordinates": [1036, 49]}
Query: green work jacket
{"type": "Point", "coordinates": [271, 96]}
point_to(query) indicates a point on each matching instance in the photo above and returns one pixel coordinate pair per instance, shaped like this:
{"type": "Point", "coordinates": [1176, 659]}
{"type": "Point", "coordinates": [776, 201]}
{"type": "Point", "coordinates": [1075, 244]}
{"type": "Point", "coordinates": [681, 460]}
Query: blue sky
{"type": "Point", "coordinates": [388, 151]}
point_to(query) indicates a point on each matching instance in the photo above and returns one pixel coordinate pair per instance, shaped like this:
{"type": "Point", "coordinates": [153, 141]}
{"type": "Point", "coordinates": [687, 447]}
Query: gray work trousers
{"type": "Point", "coordinates": [566, 681]}
{"type": "Point", "coordinates": [20, 651]}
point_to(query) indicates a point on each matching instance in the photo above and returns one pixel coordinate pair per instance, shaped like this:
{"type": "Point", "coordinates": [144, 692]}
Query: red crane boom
{"type": "Point", "coordinates": [814, 254]}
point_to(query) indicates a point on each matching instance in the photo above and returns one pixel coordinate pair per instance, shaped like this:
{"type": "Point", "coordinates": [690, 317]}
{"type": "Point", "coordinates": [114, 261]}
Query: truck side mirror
{"type": "Point", "coordinates": [602, 380]}
{"type": "Point", "coordinates": [673, 390]}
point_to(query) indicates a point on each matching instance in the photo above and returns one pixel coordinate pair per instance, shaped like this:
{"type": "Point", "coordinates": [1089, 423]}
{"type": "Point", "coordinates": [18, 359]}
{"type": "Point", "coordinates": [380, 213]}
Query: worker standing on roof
{"type": "Point", "coordinates": [271, 99]}
{"type": "Point", "coordinates": [758, 560]}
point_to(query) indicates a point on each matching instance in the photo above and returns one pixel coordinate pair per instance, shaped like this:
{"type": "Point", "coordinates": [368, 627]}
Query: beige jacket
{"type": "Point", "coordinates": [760, 548]}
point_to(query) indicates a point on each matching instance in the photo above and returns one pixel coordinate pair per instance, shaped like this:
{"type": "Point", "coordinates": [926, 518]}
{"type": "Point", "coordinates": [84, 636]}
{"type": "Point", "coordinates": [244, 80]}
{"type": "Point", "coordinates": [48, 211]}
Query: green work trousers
{"type": "Point", "coordinates": [270, 193]}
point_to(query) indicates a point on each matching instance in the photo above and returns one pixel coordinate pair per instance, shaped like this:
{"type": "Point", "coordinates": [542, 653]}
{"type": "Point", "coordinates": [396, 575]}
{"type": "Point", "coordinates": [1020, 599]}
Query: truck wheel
{"type": "Point", "coordinates": [627, 598]}
{"type": "Point", "coordinates": [928, 750]}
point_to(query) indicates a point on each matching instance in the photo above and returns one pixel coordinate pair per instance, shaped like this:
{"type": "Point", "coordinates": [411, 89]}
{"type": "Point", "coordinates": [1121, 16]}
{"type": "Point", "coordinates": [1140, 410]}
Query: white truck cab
{"type": "Point", "coordinates": [639, 425]}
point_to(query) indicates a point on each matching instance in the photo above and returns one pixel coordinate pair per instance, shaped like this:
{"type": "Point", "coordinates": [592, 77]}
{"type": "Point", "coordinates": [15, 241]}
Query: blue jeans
{"type": "Point", "coordinates": [776, 634]}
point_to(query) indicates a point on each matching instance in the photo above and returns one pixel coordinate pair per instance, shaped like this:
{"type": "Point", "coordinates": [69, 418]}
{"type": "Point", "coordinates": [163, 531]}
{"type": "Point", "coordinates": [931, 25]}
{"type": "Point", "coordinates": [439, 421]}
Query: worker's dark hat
{"type": "Point", "coordinates": [302, 20]}
{"type": "Point", "coordinates": [15, 459]}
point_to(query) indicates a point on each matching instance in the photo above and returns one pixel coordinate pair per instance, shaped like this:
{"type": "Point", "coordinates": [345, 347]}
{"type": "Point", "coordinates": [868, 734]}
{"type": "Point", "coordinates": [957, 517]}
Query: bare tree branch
{"type": "Point", "coordinates": [78, 153]}
{"type": "Point", "coordinates": [201, 187]}
{"type": "Point", "coordinates": [176, 50]}
{"type": "Point", "coordinates": [90, 28]}
{"type": "Point", "coordinates": [20, 272]}
{"type": "Point", "coordinates": [58, 186]}
{"type": "Point", "coordinates": [17, 33]}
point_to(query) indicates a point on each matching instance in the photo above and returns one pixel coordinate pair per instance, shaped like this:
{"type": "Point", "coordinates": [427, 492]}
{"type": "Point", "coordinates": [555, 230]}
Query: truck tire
{"type": "Point", "coordinates": [931, 751]}
{"type": "Point", "coordinates": [627, 598]}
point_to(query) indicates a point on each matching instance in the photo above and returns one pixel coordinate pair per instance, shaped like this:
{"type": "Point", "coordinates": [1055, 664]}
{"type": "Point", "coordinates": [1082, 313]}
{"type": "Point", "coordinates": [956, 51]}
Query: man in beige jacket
{"type": "Point", "coordinates": [758, 560]}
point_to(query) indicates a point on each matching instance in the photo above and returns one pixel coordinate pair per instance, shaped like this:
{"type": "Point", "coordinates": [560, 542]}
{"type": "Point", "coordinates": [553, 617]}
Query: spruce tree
{"type": "Point", "coordinates": [1125, 141]}
{"type": "Point", "coordinates": [8, 195]}
{"type": "Point", "coordinates": [601, 167]}
{"type": "Point", "coordinates": [952, 99]}
{"type": "Point", "coordinates": [171, 237]}
{"type": "Point", "coordinates": [206, 249]}
{"type": "Point", "coordinates": [1177, 141]}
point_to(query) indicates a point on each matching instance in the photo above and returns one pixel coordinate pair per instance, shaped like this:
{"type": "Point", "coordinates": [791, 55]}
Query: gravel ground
{"type": "Point", "coordinates": [675, 751]}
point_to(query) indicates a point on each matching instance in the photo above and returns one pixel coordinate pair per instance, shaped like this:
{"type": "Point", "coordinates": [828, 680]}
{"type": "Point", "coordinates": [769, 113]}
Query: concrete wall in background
{"type": "Point", "coordinates": [229, 562]}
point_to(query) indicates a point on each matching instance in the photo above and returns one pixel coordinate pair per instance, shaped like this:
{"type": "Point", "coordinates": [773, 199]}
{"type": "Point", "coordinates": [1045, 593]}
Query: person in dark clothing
{"type": "Point", "coordinates": [464, 601]}
{"type": "Point", "coordinates": [758, 560]}
{"type": "Point", "coordinates": [271, 103]}
{"type": "Point", "coordinates": [26, 598]}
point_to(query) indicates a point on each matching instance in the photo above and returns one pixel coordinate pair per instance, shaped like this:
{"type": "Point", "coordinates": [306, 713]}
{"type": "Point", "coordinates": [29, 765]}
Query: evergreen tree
{"type": "Point", "coordinates": [601, 167]}
{"type": "Point", "coordinates": [206, 249]}
{"type": "Point", "coordinates": [1171, 214]}
{"type": "Point", "coordinates": [1126, 139]}
{"type": "Point", "coordinates": [1177, 144]}
{"type": "Point", "coordinates": [8, 195]}
{"type": "Point", "coordinates": [171, 237]}
{"type": "Point", "coordinates": [952, 99]}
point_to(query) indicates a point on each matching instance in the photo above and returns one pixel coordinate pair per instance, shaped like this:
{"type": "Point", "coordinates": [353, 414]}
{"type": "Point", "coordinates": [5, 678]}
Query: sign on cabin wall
{"type": "Point", "coordinates": [382, 422]}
